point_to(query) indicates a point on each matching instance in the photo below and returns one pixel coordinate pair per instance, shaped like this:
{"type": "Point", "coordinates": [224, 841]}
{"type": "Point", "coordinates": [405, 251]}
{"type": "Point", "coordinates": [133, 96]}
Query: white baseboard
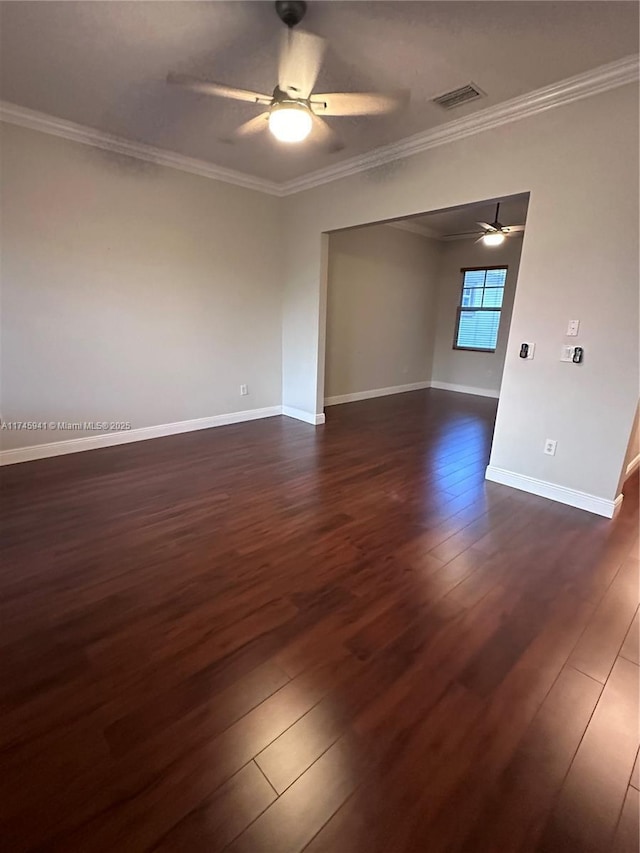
{"type": "Point", "coordinates": [464, 389]}
{"type": "Point", "coordinates": [562, 494]}
{"type": "Point", "coordinates": [631, 467]}
{"type": "Point", "coordinates": [375, 392]}
{"type": "Point", "coordinates": [93, 442]}
{"type": "Point", "coordinates": [301, 415]}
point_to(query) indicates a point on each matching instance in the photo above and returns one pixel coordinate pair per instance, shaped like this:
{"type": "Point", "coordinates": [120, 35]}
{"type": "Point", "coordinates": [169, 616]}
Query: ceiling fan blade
{"type": "Point", "coordinates": [249, 128]}
{"type": "Point", "coordinates": [210, 87]}
{"type": "Point", "coordinates": [461, 234]}
{"type": "Point", "coordinates": [325, 135]}
{"type": "Point", "coordinates": [300, 60]}
{"type": "Point", "coordinates": [514, 229]}
{"type": "Point", "coordinates": [357, 103]}
{"type": "Point", "coordinates": [486, 226]}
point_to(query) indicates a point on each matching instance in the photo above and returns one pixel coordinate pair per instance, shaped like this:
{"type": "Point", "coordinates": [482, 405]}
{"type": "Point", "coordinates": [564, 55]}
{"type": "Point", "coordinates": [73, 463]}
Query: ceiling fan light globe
{"type": "Point", "coordinates": [493, 238]}
{"type": "Point", "coordinates": [290, 122]}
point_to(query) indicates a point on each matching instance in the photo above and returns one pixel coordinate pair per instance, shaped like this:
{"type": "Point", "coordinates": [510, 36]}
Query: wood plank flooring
{"type": "Point", "coordinates": [274, 638]}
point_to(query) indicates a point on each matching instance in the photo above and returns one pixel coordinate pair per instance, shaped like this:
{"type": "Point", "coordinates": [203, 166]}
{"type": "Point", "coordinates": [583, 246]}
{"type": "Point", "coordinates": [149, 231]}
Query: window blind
{"type": "Point", "coordinates": [480, 309]}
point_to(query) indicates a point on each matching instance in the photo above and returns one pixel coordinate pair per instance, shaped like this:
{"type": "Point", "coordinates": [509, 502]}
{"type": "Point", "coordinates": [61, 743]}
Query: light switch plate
{"type": "Point", "coordinates": [566, 353]}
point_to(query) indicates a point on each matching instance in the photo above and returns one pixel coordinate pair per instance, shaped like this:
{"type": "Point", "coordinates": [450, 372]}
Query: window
{"type": "Point", "coordinates": [480, 306]}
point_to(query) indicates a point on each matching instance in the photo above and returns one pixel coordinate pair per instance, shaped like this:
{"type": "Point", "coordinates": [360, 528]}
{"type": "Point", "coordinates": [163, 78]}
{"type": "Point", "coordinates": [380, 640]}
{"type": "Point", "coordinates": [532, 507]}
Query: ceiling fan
{"type": "Point", "coordinates": [493, 233]}
{"type": "Point", "coordinates": [294, 110]}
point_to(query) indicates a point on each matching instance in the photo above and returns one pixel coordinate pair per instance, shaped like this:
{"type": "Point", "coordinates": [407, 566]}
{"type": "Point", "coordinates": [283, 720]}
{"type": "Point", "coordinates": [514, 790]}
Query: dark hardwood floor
{"type": "Point", "coordinates": [270, 638]}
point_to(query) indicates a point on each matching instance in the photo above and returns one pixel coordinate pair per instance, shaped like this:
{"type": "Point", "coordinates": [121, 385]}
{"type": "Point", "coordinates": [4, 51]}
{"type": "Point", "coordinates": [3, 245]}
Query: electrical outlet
{"type": "Point", "coordinates": [243, 390]}
{"type": "Point", "coordinates": [573, 328]}
{"type": "Point", "coordinates": [550, 447]}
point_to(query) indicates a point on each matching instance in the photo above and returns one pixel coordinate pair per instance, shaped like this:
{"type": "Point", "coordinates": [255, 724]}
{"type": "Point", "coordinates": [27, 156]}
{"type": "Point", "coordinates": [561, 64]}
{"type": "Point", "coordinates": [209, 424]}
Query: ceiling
{"type": "Point", "coordinates": [103, 64]}
{"type": "Point", "coordinates": [458, 220]}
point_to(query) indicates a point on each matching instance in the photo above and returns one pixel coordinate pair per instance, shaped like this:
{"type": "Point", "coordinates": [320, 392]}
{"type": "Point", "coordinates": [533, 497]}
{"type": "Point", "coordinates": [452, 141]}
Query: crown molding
{"type": "Point", "coordinates": [414, 228]}
{"type": "Point", "coordinates": [567, 91]}
{"type": "Point", "coordinates": [34, 120]}
{"type": "Point", "coordinates": [424, 231]}
{"type": "Point", "coordinates": [455, 238]}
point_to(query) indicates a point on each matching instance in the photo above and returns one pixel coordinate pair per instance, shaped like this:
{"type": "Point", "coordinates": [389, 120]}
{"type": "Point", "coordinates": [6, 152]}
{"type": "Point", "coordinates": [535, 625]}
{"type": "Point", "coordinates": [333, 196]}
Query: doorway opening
{"type": "Point", "coordinates": [418, 313]}
{"type": "Point", "coordinates": [423, 302]}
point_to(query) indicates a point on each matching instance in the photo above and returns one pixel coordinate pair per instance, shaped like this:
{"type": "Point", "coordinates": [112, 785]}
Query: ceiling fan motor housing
{"type": "Point", "coordinates": [291, 12]}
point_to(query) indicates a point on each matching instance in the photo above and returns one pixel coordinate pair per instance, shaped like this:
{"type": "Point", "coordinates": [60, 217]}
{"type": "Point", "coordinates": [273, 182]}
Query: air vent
{"type": "Point", "coordinates": [449, 100]}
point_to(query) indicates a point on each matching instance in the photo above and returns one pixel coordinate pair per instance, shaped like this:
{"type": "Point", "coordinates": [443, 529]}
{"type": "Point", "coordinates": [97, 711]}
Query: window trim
{"type": "Point", "coordinates": [461, 308]}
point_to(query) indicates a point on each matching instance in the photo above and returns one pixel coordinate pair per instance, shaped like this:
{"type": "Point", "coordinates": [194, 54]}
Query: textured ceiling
{"type": "Point", "coordinates": [103, 64]}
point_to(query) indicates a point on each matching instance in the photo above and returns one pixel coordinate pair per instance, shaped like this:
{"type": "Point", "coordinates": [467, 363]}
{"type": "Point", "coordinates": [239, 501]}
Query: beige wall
{"type": "Point", "coordinates": [473, 371]}
{"type": "Point", "coordinates": [380, 309]}
{"type": "Point", "coordinates": [633, 448]}
{"type": "Point", "coordinates": [580, 164]}
{"type": "Point", "coordinates": [131, 292]}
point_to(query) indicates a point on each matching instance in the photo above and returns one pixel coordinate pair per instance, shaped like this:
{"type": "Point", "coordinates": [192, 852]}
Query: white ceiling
{"type": "Point", "coordinates": [103, 64]}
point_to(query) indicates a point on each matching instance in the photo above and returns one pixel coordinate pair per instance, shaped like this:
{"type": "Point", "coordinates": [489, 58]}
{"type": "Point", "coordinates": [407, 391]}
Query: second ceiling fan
{"type": "Point", "coordinates": [293, 111]}
{"type": "Point", "coordinates": [493, 233]}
